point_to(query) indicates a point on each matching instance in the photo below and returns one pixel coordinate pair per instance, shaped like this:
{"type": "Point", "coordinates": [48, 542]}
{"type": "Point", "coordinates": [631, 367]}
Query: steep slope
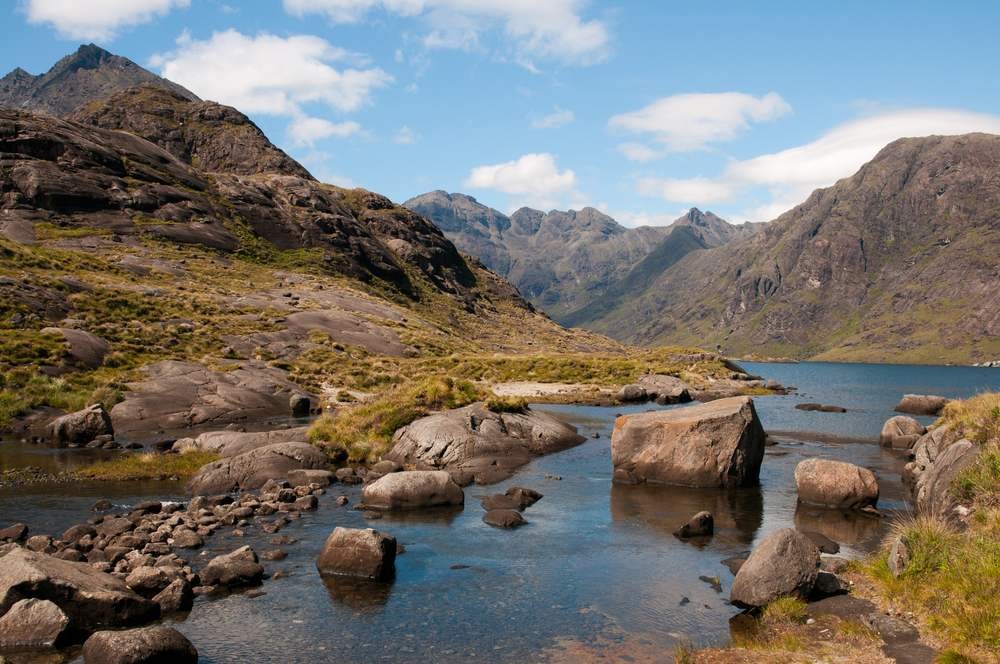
{"type": "Point", "coordinates": [565, 262]}
{"type": "Point", "coordinates": [89, 74]}
{"type": "Point", "coordinates": [900, 262]}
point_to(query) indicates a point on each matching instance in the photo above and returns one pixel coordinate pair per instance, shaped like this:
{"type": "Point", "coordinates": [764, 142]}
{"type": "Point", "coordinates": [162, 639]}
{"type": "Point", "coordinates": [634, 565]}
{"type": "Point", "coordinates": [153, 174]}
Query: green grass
{"type": "Point", "coordinates": [978, 419]}
{"type": "Point", "coordinates": [507, 404]}
{"type": "Point", "coordinates": [148, 466]}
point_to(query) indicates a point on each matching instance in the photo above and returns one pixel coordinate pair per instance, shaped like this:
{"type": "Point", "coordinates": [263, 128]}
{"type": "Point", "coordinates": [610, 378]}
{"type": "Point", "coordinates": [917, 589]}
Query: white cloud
{"type": "Point", "coordinates": [98, 20]}
{"type": "Point", "coordinates": [532, 179]}
{"type": "Point", "coordinates": [691, 121]}
{"type": "Point", "coordinates": [554, 120]}
{"type": "Point", "coordinates": [307, 130]}
{"type": "Point", "coordinates": [639, 152]}
{"type": "Point", "coordinates": [789, 176]}
{"type": "Point", "coordinates": [552, 29]}
{"type": "Point", "coordinates": [270, 74]}
{"type": "Point", "coordinates": [406, 136]}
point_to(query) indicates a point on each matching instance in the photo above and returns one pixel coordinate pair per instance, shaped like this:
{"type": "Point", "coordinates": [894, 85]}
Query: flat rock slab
{"type": "Point", "coordinates": [252, 469]}
{"type": "Point", "coordinates": [178, 395]}
{"type": "Point", "coordinates": [479, 444]}
{"type": "Point", "coordinates": [232, 443]}
{"type": "Point", "coordinates": [84, 349]}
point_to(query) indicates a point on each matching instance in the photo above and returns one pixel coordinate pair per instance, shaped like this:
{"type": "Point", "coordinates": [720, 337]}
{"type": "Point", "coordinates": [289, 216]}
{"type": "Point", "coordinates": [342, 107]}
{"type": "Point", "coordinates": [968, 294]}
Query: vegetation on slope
{"type": "Point", "coordinates": [148, 466]}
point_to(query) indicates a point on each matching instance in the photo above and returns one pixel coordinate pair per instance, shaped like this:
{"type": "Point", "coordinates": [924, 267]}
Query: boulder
{"type": "Point", "coordinates": [84, 350]}
{"type": "Point", "coordinates": [33, 623]}
{"type": "Point", "coordinates": [525, 497]}
{"type": "Point", "coordinates": [300, 405]}
{"type": "Point", "coordinates": [701, 524]}
{"type": "Point", "coordinates": [232, 443]}
{"type": "Point", "coordinates": [307, 476]}
{"type": "Point", "coordinates": [665, 389]}
{"type": "Point", "coordinates": [503, 518]}
{"type": "Point", "coordinates": [925, 452]}
{"type": "Point", "coordinates": [238, 568]}
{"type": "Point", "coordinates": [175, 597]}
{"type": "Point", "coordinates": [252, 469]}
{"type": "Point", "coordinates": [715, 444]}
{"type": "Point", "coordinates": [835, 484]}
{"type": "Point", "coordinates": [632, 393]}
{"type": "Point", "coordinates": [901, 432]}
{"type": "Point", "coordinates": [921, 404]}
{"type": "Point", "coordinates": [147, 645]}
{"type": "Point", "coordinates": [91, 599]}
{"type": "Point", "coordinates": [820, 408]}
{"type": "Point", "coordinates": [476, 443]}
{"type": "Point", "coordinates": [363, 553]}
{"type": "Point", "coordinates": [147, 580]}
{"type": "Point", "coordinates": [17, 532]}
{"type": "Point", "coordinates": [81, 427]}
{"type": "Point", "coordinates": [413, 489]}
{"type": "Point", "coordinates": [785, 563]}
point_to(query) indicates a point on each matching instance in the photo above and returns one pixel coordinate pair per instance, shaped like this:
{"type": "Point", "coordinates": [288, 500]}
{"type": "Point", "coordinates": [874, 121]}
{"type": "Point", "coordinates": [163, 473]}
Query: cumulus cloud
{"type": "Point", "coordinates": [98, 20]}
{"type": "Point", "coordinates": [533, 179]}
{"type": "Point", "coordinates": [691, 121]}
{"type": "Point", "coordinates": [307, 130]}
{"type": "Point", "coordinates": [405, 136]}
{"type": "Point", "coordinates": [554, 120]}
{"type": "Point", "coordinates": [639, 152]}
{"type": "Point", "coordinates": [271, 74]}
{"type": "Point", "coordinates": [552, 29]}
{"type": "Point", "coordinates": [789, 176]}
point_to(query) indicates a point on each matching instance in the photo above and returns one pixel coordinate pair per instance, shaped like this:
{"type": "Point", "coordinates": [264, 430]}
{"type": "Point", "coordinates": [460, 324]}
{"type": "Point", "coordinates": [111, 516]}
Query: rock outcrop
{"type": "Point", "coordinates": [252, 469]}
{"type": "Point", "coordinates": [716, 444]}
{"type": "Point", "coordinates": [364, 553]}
{"type": "Point", "coordinates": [785, 563]}
{"type": "Point", "coordinates": [835, 484]}
{"type": "Point", "coordinates": [233, 443]}
{"type": "Point", "coordinates": [474, 443]}
{"type": "Point", "coordinates": [413, 489]}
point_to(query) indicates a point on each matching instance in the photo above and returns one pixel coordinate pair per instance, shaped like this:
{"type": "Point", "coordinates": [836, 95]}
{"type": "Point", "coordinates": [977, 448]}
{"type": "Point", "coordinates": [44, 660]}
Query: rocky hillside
{"type": "Point", "coordinates": [899, 263]}
{"type": "Point", "coordinates": [565, 262]}
{"type": "Point", "coordinates": [81, 77]}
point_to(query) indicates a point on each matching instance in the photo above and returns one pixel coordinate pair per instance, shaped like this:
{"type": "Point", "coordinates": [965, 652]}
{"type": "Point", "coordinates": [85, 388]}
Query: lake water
{"type": "Point", "coordinates": [596, 572]}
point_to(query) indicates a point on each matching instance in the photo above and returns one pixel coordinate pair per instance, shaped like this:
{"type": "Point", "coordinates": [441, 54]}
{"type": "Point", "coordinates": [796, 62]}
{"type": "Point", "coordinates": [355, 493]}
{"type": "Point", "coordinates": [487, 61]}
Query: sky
{"type": "Point", "coordinates": [641, 109]}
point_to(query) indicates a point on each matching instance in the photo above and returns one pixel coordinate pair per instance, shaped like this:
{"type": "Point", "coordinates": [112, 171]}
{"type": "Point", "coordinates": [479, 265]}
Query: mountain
{"type": "Point", "coordinates": [89, 74]}
{"type": "Point", "coordinates": [899, 262]}
{"type": "Point", "coordinates": [565, 261]}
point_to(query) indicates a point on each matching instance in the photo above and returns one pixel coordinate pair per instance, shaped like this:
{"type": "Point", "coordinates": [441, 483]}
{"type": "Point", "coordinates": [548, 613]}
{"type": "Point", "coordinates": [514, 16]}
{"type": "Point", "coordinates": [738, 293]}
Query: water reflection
{"type": "Point", "coordinates": [738, 512]}
{"type": "Point", "coordinates": [359, 595]}
{"type": "Point", "coordinates": [852, 528]}
{"type": "Point", "coordinates": [442, 516]}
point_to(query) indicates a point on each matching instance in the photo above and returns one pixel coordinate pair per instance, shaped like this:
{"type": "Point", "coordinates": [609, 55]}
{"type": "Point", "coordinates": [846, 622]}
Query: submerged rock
{"type": "Point", "coordinates": [921, 404]}
{"type": "Point", "coordinates": [820, 408]}
{"type": "Point", "coordinates": [364, 553]}
{"type": "Point", "coordinates": [786, 562]}
{"type": "Point", "coordinates": [413, 489]}
{"type": "Point", "coordinates": [502, 518]}
{"type": "Point", "coordinates": [147, 645]}
{"type": "Point", "coordinates": [701, 524]}
{"type": "Point", "coordinates": [835, 484]}
{"type": "Point", "coordinates": [252, 469]}
{"type": "Point", "coordinates": [715, 444]}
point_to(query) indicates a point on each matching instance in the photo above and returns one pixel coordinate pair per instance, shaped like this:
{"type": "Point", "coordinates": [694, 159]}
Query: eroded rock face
{"type": "Point", "coordinates": [934, 496]}
{"type": "Point", "coordinates": [901, 432]}
{"type": "Point", "coordinates": [480, 444]}
{"type": "Point", "coordinates": [81, 427]}
{"type": "Point", "coordinates": [716, 444]}
{"type": "Point", "coordinates": [786, 562]}
{"type": "Point", "coordinates": [231, 443]}
{"type": "Point", "coordinates": [921, 404]}
{"type": "Point", "coordinates": [364, 553]}
{"type": "Point", "coordinates": [91, 599]}
{"type": "Point", "coordinates": [147, 645]}
{"type": "Point", "coordinates": [252, 469]}
{"type": "Point", "coordinates": [835, 484]}
{"type": "Point", "coordinates": [413, 489]}
{"type": "Point", "coordinates": [33, 623]}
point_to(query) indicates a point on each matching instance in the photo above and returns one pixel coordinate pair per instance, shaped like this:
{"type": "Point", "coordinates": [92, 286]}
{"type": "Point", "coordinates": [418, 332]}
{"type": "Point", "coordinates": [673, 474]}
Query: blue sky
{"type": "Point", "coordinates": [641, 109]}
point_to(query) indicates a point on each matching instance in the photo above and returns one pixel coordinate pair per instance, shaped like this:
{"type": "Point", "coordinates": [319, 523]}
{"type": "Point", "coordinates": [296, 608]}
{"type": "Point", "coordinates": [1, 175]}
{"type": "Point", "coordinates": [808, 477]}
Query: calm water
{"type": "Point", "coordinates": [596, 570]}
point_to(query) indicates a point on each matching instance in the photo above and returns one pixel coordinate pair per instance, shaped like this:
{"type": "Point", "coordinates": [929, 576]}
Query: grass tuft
{"type": "Point", "coordinates": [148, 466]}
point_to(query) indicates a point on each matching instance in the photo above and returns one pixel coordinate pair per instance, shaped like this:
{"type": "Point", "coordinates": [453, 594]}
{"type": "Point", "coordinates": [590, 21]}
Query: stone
{"type": "Point", "coordinates": [300, 405]}
{"type": "Point", "coordinates": [232, 443]}
{"type": "Point", "coordinates": [92, 599]}
{"type": "Point", "coordinates": [921, 404]}
{"type": "Point", "coordinates": [899, 556]}
{"type": "Point", "coordinates": [901, 432]}
{"type": "Point", "coordinates": [102, 505]}
{"type": "Point", "coordinates": [701, 524]}
{"type": "Point", "coordinates": [632, 393]}
{"type": "Point", "coordinates": [74, 533]}
{"type": "Point", "coordinates": [238, 568]}
{"type": "Point", "coordinates": [665, 389]}
{"type": "Point", "coordinates": [822, 542]}
{"type": "Point", "coordinates": [252, 469]}
{"type": "Point", "coordinates": [820, 408]}
{"type": "Point", "coordinates": [500, 501]}
{"type": "Point", "coordinates": [81, 427]}
{"type": "Point", "coordinates": [413, 489]}
{"type": "Point", "coordinates": [835, 484]}
{"type": "Point", "coordinates": [934, 494]}
{"type": "Point", "coordinates": [147, 645]}
{"type": "Point", "coordinates": [307, 476]}
{"type": "Point", "coordinates": [15, 533]}
{"type": "Point", "coordinates": [33, 623]}
{"type": "Point", "coordinates": [785, 563]}
{"type": "Point", "coordinates": [524, 497]}
{"type": "Point", "coordinates": [504, 518]}
{"type": "Point", "coordinates": [828, 584]}
{"type": "Point", "coordinates": [478, 443]}
{"type": "Point", "coordinates": [147, 581]}
{"type": "Point", "coordinates": [185, 538]}
{"type": "Point", "coordinates": [175, 597]}
{"type": "Point", "coordinates": [84, 350]}
{"type": "Point", "coordinates": [386, 466]}
{"type": "Point", "coordinates": [364, 553]}
{"type": "Point", "coordinates": [306, 503]}
{"type": "Point", "coordinates": [715, 444]}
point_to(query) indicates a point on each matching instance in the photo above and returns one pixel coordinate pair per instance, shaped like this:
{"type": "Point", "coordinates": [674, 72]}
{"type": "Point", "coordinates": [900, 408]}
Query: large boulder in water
{"type": "Point", "coordinates": [480, 444]}
{"type": "Point", "coordinates": [901, 432]}
{"type": "Point", "coordinates": [233, 443]}
{"type": "Point", "coordinates": [148, 645]}
{"type": "Point", "coordinates": [363, 553]}
{"type": "Point", "coordinates": [921, 404]}
{"type": "Point", "coordinates": [33, 623]}
{"type": "Point", "coordinates": [91, 599]}
{"type": "Point", "coordinates": [715, 444]}
{"type": "Point", "coordinates": [81, 427]}
{"type": "Point", "coordinates": [238, 568]}
{"type": "Point", "coordinates": [835, 484]}
{"type": "Point", "coordinates": [413, 489]}
{"type": "Point", "coordinates": [252, 469]}
{"type": "Point", "coordinates": [785, 563]}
